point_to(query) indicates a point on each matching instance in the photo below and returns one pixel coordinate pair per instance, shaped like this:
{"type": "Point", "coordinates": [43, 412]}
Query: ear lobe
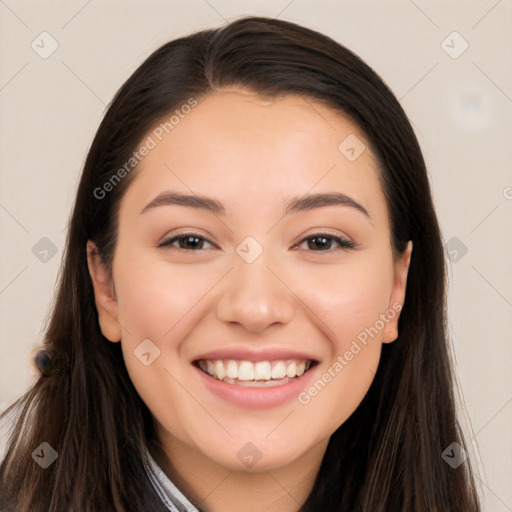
{"type": "Point", "coordinates": [104, 294]}
{"type": "Point", "coordinates": [397, 296]}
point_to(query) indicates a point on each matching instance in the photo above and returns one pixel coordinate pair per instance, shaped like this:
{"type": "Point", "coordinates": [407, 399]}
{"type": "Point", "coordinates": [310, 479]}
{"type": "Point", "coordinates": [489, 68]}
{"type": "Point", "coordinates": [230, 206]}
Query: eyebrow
{"type": "Point", "coordinates": [303, 203]}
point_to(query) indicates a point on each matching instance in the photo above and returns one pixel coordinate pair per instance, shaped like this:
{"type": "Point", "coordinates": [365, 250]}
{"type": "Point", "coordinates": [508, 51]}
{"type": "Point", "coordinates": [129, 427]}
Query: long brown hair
{"type": "Point", "coordinates": [388, 455]}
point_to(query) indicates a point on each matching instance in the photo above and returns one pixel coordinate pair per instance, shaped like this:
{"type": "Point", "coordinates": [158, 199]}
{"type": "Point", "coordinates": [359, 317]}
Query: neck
{"type": "Point", "coordinates": [214, 488]}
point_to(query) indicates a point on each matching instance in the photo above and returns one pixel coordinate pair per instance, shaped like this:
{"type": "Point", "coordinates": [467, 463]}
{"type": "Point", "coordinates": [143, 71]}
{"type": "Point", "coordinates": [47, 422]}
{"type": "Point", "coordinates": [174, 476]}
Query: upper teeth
{"type": "Point", "coordinates": [248, 370]}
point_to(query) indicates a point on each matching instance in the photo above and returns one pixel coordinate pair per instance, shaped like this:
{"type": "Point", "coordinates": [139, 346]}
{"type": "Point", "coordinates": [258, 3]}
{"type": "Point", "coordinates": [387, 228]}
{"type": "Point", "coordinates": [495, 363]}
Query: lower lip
{"type": "Point", "coordinates": [254, 397]}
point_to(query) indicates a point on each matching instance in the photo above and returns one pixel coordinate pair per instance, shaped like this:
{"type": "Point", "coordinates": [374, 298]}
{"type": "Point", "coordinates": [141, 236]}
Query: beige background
{"type": "Point", "coordinates": [461, 109]}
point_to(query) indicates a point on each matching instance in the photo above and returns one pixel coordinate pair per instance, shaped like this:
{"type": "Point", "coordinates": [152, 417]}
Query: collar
{"type": "Point", "coordinates": [170, 495]}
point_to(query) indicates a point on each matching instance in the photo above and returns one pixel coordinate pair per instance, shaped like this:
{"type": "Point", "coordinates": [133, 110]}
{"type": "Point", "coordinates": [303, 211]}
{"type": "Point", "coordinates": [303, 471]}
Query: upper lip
{"type": "Point", "coordinates": [253, 354]}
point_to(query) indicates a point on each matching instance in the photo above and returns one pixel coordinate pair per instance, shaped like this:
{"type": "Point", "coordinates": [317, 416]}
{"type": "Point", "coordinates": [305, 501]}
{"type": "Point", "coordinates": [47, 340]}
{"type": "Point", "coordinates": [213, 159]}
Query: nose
{"type": "Point", "coordinates": [256, 296]}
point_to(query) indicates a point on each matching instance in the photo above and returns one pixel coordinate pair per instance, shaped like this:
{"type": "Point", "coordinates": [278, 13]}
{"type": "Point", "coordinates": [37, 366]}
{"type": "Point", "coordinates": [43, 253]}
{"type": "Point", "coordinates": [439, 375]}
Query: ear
{"type": "Point", "coordinates": [397, 296]}
{"type": "Point", "coordinates": [104, 293]}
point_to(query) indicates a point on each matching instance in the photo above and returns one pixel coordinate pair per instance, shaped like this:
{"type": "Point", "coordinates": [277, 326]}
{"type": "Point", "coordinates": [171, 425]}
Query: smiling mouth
{"type": "Point", "coordinates": [255, 374]}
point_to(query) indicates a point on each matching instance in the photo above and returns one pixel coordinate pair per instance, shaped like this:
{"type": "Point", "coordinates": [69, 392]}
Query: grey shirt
{"type": "Point", "coordinates": [170, 495]}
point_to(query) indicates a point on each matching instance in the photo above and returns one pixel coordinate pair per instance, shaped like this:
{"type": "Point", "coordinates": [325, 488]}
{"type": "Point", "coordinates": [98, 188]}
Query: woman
{"type": "Point", "coordinates": [251, 309]}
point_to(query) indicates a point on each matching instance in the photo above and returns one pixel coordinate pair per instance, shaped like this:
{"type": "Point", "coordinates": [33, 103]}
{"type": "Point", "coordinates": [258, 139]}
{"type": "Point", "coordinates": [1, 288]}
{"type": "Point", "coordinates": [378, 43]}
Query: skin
{"type": "Point", "coordinates": [253, 155]}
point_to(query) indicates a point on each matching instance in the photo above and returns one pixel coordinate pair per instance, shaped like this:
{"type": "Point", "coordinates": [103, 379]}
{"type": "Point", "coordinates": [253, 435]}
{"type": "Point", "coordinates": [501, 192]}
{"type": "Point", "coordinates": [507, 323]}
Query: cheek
{"type": "Point", "coordinates": [163, 303]}
{"type": "Point", "coordinates": [350, 303]}
{"type": "Point", "coordinates": [349, 299]}
{"type": "Point", "coordinates": [159, 302]}
{"type": "Point", "coordinates": [155, 299]}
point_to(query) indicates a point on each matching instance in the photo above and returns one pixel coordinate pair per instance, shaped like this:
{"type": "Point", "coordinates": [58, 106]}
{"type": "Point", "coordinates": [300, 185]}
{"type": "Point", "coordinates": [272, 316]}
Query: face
{"type": "Point", "coordinates": [291, 296]}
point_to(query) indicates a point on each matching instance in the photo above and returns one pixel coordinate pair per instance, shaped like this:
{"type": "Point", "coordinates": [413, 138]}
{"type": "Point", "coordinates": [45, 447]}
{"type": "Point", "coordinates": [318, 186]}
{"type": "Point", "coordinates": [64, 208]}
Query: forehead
{"type": "Point", "coordinates": [240, 147]}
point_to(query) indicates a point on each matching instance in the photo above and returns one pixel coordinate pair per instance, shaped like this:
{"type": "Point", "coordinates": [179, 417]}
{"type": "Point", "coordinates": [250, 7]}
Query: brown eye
{"type": "Point", "coordinates": [322, 242]}
{"type": "Point", "coordinates": [186, 242]}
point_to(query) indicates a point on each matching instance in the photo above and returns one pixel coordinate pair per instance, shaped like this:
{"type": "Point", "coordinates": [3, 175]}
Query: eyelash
{"type": "Point", "coordinates": [344, 243]}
